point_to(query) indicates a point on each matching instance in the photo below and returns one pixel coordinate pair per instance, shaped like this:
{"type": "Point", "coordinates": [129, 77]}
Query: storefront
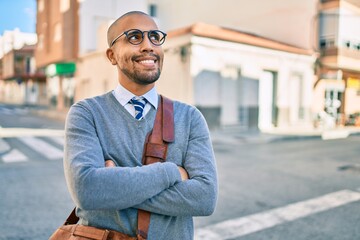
{"type": "Point", "coordinates": [61, 84]}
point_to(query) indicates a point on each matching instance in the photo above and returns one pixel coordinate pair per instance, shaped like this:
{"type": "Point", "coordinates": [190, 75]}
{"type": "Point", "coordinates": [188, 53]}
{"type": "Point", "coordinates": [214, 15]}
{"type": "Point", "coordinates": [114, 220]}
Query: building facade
{"type": "Point", "coordinates": [337, 90]}
{"type": "Point", "coordinates": [68, 38]}
{"type": "Point", "coordinates": [57, 48]}
{"type": "Point", "coordinates": [270, 77]}
{"type": "Point", "coordinates": [289, 21]}
{"type": "Point", "coordinates": [238, 79]}
{"type": "Point", "coordinates": [95, 75]}
{"type": "Point", "coordinates": [20, 83]}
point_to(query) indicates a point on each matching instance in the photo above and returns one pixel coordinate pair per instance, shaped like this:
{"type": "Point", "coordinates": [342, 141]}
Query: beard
{"type": "Point", "coordinates": [141, 77]}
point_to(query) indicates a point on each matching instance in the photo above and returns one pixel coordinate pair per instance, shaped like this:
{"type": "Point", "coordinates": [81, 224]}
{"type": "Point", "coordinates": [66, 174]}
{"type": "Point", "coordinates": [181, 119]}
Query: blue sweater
{"type": "Point", "coordinates": [100, 128]}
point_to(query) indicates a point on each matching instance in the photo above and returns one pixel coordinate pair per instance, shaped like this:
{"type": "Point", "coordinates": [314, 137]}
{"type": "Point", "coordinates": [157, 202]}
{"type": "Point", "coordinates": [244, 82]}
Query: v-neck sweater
{"type": "Point", "coordinates": [100, 128]}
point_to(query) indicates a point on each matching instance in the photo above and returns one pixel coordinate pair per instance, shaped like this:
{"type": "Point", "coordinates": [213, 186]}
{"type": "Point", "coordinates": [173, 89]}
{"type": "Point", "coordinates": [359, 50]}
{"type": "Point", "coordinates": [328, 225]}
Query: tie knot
{"type": "Point", "coordinates": [139, 104]}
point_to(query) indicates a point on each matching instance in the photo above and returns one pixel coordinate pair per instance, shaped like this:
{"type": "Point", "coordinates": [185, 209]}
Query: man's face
{"type": "Point", "coordinates": [141, 63]}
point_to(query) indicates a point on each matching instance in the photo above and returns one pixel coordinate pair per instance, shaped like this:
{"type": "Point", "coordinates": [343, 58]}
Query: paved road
{"type": "Point", "coordinates": [303, 189]}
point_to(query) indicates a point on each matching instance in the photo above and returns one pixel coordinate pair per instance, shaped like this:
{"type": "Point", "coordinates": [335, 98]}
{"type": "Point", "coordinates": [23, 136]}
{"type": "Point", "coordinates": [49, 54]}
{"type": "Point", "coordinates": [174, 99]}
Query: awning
{"type": "Point", "coordinates": [60, 69]}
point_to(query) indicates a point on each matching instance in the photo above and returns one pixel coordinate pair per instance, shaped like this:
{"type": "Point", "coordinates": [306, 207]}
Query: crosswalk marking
{"type": "Point", "coordinates": [57, 139]}
{"type": "Point", "coordinates": [245, 225]}
{"type": "Point", "coordinates": [42, 147]}
{"type": "Point", "coordinates": [14, 156]}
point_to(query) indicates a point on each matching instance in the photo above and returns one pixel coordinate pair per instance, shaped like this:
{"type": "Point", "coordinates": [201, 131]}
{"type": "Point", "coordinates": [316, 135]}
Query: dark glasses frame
{"type": "Point", "coordinates": [149, 34]}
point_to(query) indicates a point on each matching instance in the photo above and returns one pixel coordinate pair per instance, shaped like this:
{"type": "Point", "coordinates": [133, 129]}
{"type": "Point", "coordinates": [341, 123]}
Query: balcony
{"type": "Point", "coordinates": [340, 57]}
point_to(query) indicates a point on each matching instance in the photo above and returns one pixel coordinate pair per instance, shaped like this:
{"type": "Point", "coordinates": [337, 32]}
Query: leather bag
{"type": "Point", "coordinates": [155, 150]}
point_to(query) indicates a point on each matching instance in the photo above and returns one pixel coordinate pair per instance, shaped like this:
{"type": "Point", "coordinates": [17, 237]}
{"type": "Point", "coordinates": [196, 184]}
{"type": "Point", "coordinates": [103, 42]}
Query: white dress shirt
{"type": "Point", "coordinates": [124, 96]}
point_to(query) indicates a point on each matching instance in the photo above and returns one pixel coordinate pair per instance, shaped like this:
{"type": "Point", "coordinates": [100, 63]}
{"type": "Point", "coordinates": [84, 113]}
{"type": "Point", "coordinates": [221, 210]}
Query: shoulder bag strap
{"type": "Point", "coordinates": [155, 150]}
{"type": "Point", "coordinates": [72, 218]}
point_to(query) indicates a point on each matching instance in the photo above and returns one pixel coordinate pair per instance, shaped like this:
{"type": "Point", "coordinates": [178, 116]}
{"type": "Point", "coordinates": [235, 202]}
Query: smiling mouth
{"type": "Point", "coordinates": [147, 61]}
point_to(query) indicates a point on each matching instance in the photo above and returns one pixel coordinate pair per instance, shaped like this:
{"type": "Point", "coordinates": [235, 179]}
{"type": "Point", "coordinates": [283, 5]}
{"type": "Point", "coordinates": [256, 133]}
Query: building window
{"type": "Point", "coordinates": [57, 32]}
{"type": "Point", "coordinates": [326, 43]}
{"type": "Point", "coordinates": [153, 10]}
{"type": "Point", "coordinates": [28, 65]}
{"type": "Point", "coordinates": [41, 5]}
{"type": "Point", "coordinates": [64, 5]}
{"type": "Point", "coordinates": [40, 43]}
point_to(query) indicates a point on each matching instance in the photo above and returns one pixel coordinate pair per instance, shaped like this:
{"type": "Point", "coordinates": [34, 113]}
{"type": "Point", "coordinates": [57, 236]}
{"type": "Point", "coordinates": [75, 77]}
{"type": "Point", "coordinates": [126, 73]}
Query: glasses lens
{"type": "Point", "coordinates": [134, 36]}
{"type": "Point", "coordinates": [156, 37]}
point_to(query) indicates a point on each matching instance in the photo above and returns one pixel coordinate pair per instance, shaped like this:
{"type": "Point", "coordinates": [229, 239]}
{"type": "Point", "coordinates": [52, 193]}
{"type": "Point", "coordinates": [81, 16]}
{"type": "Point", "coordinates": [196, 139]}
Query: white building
{"type": "Point", "coordinates": [337, 90]}
{"type": "Point", "coordinates": [289, 21]}
{"type": "Point", "coordinates": [236, 78]}
{"type": "Point", "coordinates": [94, 19]}
{"type": "Point", "coordinates": [269, 82]}
{"type": "Point", "coordinates": [93, 14]}
{"type": "Point", "coordinates": [19, 82]}
{"type": "Point", "coordinates": [13, 40]}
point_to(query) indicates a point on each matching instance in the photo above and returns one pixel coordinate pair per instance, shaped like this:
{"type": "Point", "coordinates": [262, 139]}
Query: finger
{"type": "Point", "coordinates": [109, 163]}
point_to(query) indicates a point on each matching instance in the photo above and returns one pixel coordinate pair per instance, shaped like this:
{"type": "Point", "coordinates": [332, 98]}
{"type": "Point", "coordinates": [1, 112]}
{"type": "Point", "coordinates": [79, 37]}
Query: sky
{"type": "Point", "coordinates": [18, 14]}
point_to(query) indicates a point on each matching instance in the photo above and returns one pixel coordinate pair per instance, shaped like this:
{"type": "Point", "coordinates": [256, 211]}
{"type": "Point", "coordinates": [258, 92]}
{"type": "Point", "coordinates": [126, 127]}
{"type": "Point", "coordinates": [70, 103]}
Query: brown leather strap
{"type": "Point", "coordinates": [75, 231]}
{"type": "Point", "coordinates": [72, 218]}
{"type": "Point", "coordinates": [168, 121]}
{"type": "Point", "coordinates": [155, 150]}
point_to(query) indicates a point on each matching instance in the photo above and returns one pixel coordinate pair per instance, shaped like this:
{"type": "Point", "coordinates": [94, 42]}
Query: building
{"type": "Point", "coordinates": [15, 40]}
{"type": "Point", "coordinates": [337, 91]}
{"type": "Point", "coordinates": [57, 48]}
{"type": "Point", "coordinates": [259, 103]}
{"type": "Point", "coordinates": [288, 21]}
{"type": "Point", "coordinates": [19, 81]}
{"type": "Point", "coordinates": [238, 79]}
{"type": "Point", "coordinates": [95, 18]}
{"type": "Point", "coordinates": [276, 34]}
{"type": "Point", "coordinates": [68, 38]}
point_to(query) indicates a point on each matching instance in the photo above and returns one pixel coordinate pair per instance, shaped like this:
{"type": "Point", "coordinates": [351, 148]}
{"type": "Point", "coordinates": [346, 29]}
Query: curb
{"type": "Point", "coordinates": [254, 138]}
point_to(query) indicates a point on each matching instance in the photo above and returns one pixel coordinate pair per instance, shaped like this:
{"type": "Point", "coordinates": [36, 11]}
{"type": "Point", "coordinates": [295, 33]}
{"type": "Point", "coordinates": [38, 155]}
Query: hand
{"type": "Point", "coordinates": [183, 173]}
{"type": "Point", "coordinates": [109, 163]}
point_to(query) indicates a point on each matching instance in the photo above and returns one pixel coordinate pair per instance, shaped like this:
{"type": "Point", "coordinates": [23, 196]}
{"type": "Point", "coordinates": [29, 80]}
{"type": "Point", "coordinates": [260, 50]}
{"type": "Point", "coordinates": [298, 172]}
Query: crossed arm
{"type": "Point", "coordinates": [184, 175]}
{"type": "Point", "coordinates": [162, 188]}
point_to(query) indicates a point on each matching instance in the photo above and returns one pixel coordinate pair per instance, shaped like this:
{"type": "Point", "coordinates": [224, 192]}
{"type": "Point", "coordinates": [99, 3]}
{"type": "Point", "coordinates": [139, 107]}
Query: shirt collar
{"type": "Point", "coordinates": [123, 96]}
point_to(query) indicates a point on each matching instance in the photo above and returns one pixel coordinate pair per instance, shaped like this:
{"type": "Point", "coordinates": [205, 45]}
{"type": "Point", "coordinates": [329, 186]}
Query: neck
{"type": "Point", "coordinates": [137, 89]}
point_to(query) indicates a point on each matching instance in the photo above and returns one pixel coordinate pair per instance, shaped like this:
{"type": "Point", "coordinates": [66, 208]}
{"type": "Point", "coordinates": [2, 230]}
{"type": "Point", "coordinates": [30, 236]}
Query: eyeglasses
{"type": "Point", "coordinates": [136, 36]}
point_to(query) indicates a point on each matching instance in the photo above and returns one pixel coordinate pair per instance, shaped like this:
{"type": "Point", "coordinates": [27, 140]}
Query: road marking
{"type": "Point", "coordinates": [335, 134]}
{"type": "Point", "coordinates": [42, 147]}
{"type": "Point", "coordinates": [58, 139]}
{"type": "Point", "coordinates": [14, 156]}
{"type": "Point", "coordinates": [245, 225]}
{"type": "Point", "coordinates": [24, 132]}
{"type": "Point", "coordinates": [4, 146]}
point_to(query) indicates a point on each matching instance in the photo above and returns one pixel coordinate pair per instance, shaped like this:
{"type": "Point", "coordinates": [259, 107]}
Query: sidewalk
{"type": "Point", "coordinates": [59, 115]}
{"type": "Point", "coordinates": [238, 136]}
{"type": "Point", "coordinates": [228, 135]}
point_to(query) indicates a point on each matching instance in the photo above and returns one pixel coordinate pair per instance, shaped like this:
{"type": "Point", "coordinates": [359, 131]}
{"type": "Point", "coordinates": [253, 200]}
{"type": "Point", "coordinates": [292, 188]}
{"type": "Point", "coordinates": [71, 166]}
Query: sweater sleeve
{"type": "Point", "coordinates": [91, 185]}
{"type": "Point", "coordinates": [196, 196]}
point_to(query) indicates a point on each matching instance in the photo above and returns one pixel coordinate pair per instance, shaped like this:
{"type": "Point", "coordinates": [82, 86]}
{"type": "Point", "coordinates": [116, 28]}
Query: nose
{"type": "Point", "coordinates": [146, 45]}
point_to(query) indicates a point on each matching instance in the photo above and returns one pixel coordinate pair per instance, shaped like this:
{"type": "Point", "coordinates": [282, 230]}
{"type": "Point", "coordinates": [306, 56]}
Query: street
{"type": "Point", "coordinates": [295, 189]}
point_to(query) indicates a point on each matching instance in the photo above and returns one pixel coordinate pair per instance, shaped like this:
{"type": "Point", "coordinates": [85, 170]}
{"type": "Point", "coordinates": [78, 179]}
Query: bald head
{"type": "Point", "coordinates": [113, 29]}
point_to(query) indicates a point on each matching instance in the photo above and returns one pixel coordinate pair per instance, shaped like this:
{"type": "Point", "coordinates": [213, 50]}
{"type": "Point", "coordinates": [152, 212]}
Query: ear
{"type": "Point", "coordinates": [110, 56]}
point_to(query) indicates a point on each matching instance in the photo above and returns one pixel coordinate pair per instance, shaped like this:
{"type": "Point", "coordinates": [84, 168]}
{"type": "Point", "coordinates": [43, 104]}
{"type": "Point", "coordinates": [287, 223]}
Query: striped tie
{"type": "Point", "coordinates": [139, 104]}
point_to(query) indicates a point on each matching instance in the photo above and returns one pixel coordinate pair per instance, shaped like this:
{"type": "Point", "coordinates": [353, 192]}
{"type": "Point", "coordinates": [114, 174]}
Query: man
{"type": "Point", "coordinates": [109, 127]}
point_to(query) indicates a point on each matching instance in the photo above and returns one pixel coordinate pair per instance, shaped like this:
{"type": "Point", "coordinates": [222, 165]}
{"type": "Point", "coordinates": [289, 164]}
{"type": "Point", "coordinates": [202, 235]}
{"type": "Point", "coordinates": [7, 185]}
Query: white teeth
{"type": "Point", "coordinates": [147, 61]}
